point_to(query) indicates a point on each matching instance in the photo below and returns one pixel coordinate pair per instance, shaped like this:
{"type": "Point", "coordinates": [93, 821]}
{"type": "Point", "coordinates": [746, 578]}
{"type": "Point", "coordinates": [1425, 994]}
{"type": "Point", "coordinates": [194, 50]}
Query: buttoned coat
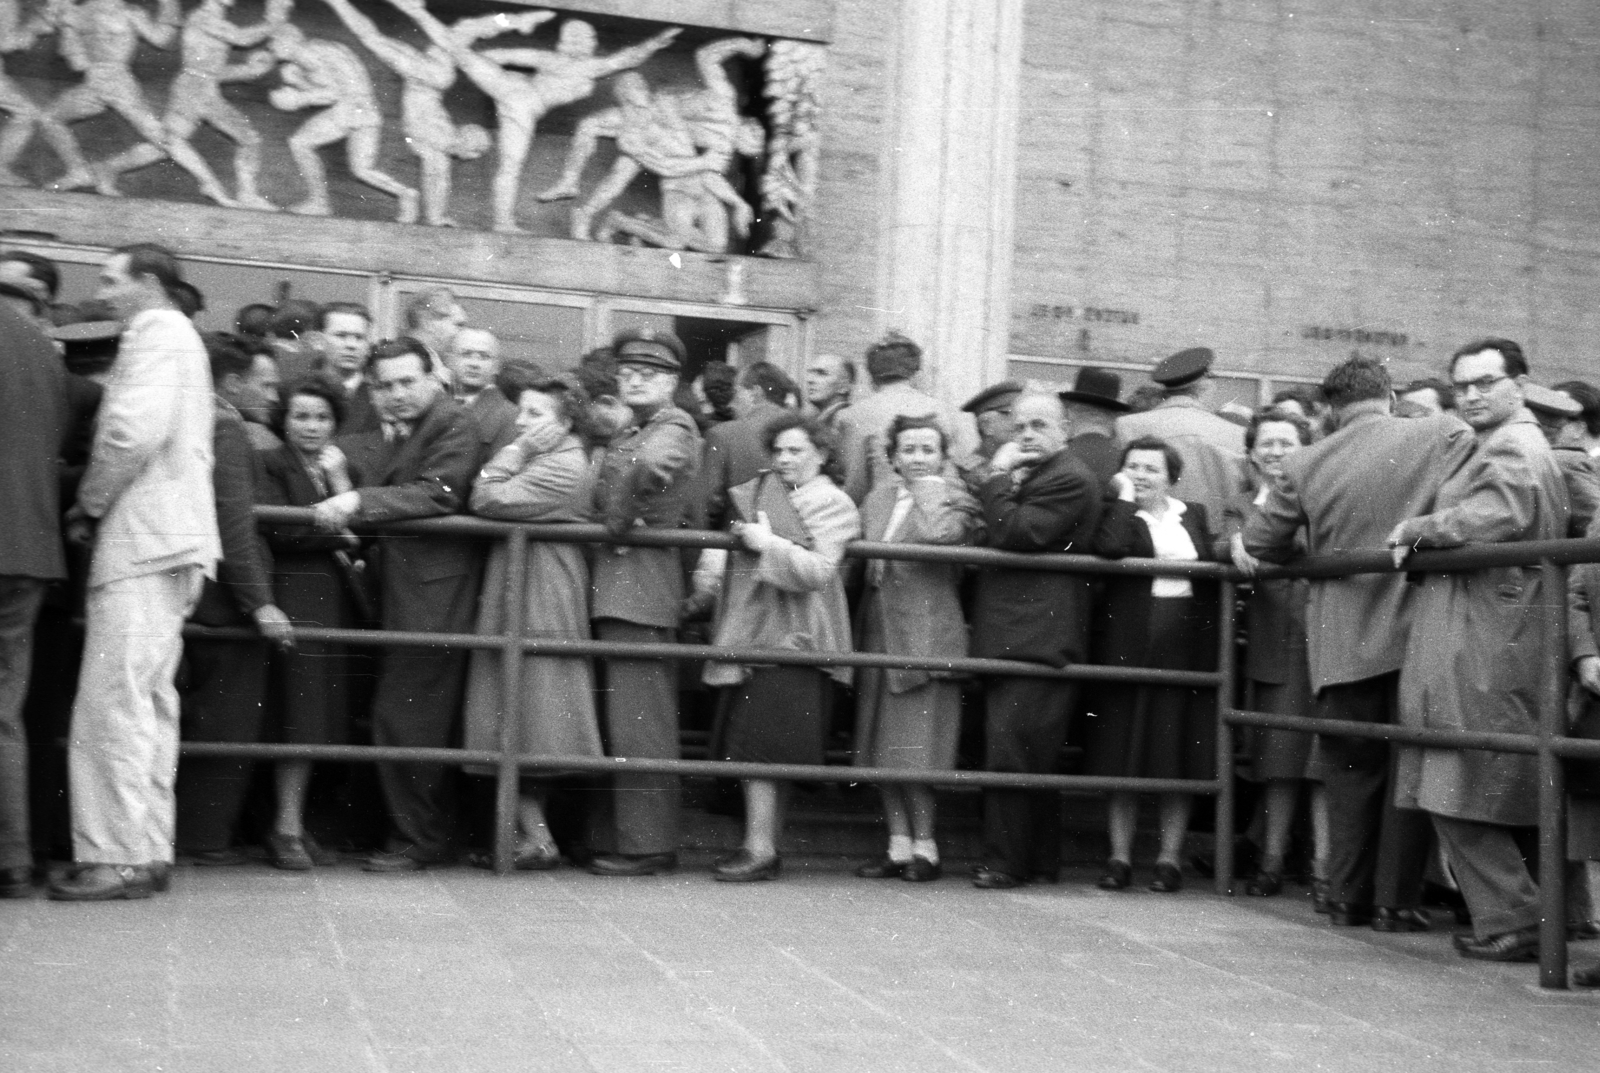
{"type": "Point", "coordinates": [1348, 492]}
{"type": "Point", "coordinates": [149, 475]}
{"type": "Point", "coordinates": [1212, 449]}
{"type": "Point", "coordinates": [1028, 614]}
{"type": "Point", "coordinates": [494, 418]}
{"type": "Point", "coordinates": [1475, 658]}
{"type": "Point", "coordinates": [426, 584]}
{"type": "Point", "coordinates": [37, 425]}
{"type": "Point", "coordinates": [864, 428]}
{"type": "Point", "coordinates": [647, 478]}
{"type": "Point", "coordinates": [1583, 488]}
{"type": "Point", "coordinates": [1275, 615]}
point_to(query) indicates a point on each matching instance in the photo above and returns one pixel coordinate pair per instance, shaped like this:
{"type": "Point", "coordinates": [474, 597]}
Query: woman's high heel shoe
{"type": "Point", "coordinates": [1118, 876]}
{"type": "Point", "coordinates": [742, 867]}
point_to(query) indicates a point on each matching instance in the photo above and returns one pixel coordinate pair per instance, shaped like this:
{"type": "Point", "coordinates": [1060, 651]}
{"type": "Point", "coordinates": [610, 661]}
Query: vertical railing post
{"type": "Point", "coordinates": [1552, 782]}
{"type": "Point", "coordinates": [1226, 659]}
{"type": "Point", "coordinates": [506, 773]}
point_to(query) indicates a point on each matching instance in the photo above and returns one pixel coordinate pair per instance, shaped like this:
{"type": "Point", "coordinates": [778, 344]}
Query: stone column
{"type": "Point", "coordinates": [945, 270]}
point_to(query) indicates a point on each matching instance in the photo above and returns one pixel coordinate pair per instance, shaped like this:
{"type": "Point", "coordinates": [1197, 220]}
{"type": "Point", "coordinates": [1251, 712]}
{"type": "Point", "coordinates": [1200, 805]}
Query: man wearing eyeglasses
{"type": "Point", "coordinates": [1475, 659]}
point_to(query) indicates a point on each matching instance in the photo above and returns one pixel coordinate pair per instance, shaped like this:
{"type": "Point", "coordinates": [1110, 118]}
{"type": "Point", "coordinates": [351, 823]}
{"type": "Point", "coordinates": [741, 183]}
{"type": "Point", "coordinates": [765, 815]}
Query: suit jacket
{"type": "Point", "coordinates": [1348, 492]}
{"type": "Point", "coordinates": [1583, 488]}
{"type": "Point", "coordinates": [1101, 453]}
{"type": "Point", "coordinates": [866, 422]}
{"type": "Point", "coordinates": [1211, 447]}
{"type": "Point", "coordinates": [426, 584]}
{"type": "Point", "coordinates": [734, 455]}
{"type": "Point", "coordinates": [1122, 627]}
{"type": "Point", "coordinates": [244, 576]}
{"type": "Point", "coordinates": [149, 475]}
{"type": "Point", "coordinates": [647, 477]}
{"type": "Point", "coordinates": [1475, 659]}
{"type": "Point", "coordinates": [360, 415]}
{"type": "Point", "coordinates": [1027, 614]}
{"type": "Point", "coordinates": [33, 436]}
{"type": "Point", "coordinates": [495, 420]}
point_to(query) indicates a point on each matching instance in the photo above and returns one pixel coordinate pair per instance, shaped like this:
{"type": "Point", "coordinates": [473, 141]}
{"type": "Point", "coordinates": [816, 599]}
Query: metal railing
{"type": "Point", "coordinates": [1550, 744]}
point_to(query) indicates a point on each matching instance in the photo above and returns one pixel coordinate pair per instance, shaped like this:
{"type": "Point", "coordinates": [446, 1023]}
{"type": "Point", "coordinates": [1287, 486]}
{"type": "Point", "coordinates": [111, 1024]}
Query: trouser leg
{"type": "Point", "coordinates": [1357, 785]}
{"type": "Point", "coordinates": [124, 750]}
{"type": "Point", "coordinates": [1025, 727]}
{"type": "Point", "coordinates": [1492, 875]}
{"type": "Point", "coordinates": [20, 598]}
{"type": "Point", "coordinates": [227, 691]}
{"type": "Point", "coordinates": [416, 703]}
{"type": "Point", "coordinates": [641, 707]}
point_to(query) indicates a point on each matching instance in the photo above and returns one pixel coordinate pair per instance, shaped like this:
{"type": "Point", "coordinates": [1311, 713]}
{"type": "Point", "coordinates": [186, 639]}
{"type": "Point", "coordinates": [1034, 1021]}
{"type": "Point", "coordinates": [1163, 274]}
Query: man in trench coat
{"type": "Point", "coordinates": [1475, 659]}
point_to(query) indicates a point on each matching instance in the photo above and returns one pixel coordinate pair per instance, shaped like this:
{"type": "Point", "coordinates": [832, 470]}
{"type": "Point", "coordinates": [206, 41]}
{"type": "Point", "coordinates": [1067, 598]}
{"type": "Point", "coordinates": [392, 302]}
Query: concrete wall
{"type": "Point", "coordinates": [1287, 180]}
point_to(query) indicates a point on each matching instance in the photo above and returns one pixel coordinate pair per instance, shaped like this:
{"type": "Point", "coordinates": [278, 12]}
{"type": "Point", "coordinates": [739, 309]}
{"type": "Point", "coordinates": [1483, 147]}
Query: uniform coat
{"type": "Point", "coordinates": [734, 454]}
{"type": "Point", "coordinates": [1212, 449]}
{"type": "Point", "coordinates": [1475, 660]}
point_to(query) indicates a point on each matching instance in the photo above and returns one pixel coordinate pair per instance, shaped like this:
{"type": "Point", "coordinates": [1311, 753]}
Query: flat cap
{"type": "Point", "coordinates": [1545, 401]}
{"type": "Point", "coordinates": [1184, 367]}
{"type": "Point", "coordinates": [994, 397]}
{"type": "Point", "coordinates": [649, 346]}
{"type": "Point", "coordinates": [88, 346]}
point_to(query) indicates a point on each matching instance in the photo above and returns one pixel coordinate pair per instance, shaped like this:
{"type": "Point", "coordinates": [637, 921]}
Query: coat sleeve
{"type": "Point", "coordinates": [243, 570]}
{"type": "Point", "coordinates": [942, 512]}
{"type": "Point", "coordinates": [714, 478]}
{"type": "Point", "coordinates": [1269, 530]}
{"type": "Point", "coordinates": [1580, 620]}
{"type": "Point", "coordinates": [441, 485]}
{"type": "Point", "coordinates": [833, 522]}
{"type": "Point", "coordinates": [136, 417]}
{"type": "Point", "coordinates": [1041, 520]}
{"type": "Point", "coordinates": [1121, 534]}
{"type": "Point", "coordinates": [273, 490]}
{"type": "Point", "coordinates": [1501, 503]}
{"type": "Point", "coordinates": [515, 487]}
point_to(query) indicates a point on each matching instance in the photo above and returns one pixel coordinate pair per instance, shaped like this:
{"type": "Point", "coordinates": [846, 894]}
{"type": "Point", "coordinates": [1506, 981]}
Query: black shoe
{"type": "Point", "coordinates": [1392, 920]}
{"type": "Point", "coordinates": [1264, 885]}
{"type": "Point", "coordinates": [1168, 880]}
{"type": "Point", "coordinates": [745, 868]}
{"type": "Point", "coordinates": [160, 876]}
{"type": "Point", "coordinates": [1589, 977]}
{"type": "Point", "coordinates": [406, 860]}
{"type": "Point", "coordinates": [921, 870]}
{"type": "Point", "coordinates": [887, 868]}
{"type": "Point", "coordinates": [1519, 945]}
{"type": "Point", "coordinates": [16, 882]}
{"type": "Point", "coordinates": [633, 864]}
{"type": "Point", "coordinates": [1583, 931]}
{"type": "Point", "coordinates": [1118, 875]}
{"type": "Point", "coordinates": [1349, 915]}
{"type": "Point", "coordinates": [289, 853]}
{"type": "Point", "coordinates": [1319, 896]}
{"type": "Point", "coordinates": [985, 878]}
{"type": "Point", "coordinates": [227, 857]}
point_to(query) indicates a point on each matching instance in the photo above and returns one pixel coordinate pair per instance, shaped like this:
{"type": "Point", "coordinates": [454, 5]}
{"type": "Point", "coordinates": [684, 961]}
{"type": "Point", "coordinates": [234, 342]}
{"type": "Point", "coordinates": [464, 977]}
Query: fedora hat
{"type": "Point", "coordinates": [1097, 387]}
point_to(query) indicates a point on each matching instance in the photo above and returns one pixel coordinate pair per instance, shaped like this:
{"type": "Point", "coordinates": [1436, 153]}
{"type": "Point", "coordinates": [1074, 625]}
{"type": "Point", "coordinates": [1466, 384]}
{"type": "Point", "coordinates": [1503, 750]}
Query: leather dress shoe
{"type": "Point", "coordinates": [104, 883]}
{"type": "Point", "coordinates": [1118, 876]}
{"type": "Point", "coordinates": [1168, 880]}
{"type": "Point", "coordinates": [887, 868]}
{"type": "Point", "coordinates": [744, 867]}
{"type": "Point", "coordinates": [160, 876]}
{"type": "Point", "coordinates": [406, 860]}
{"type": "Point", "coordinates": [1583, 931]}
{"type": "Point", "coordinates": [921, 870]}
{"type": "Point", "coordinates": [526, 859]}
{"type": "Point", "coordinates": [16, 882]}
{"type": "Point", "coordinates": [633, 864]}
{"type": "Point", "coordinates": [1349, 915]}
{"type": "Point", "coordinates": [1519, 945]}
{"type": "Point", "coordinates": [227, 857]}
{"type": "Point", "coordinates": [289, 853]}
{"type": "Point", "coordinates": [1319, 896]}
{"type": "Point", "coordinates": [322, 858]}
{"type": "Point", "coordinates": [1589, 977]}
{"type": "Point", "coordinates": [985, 878]}
{"type": "Point", "coordinates": [1386, 919]}
{"type": "Point", "coordinates": [1264, 885]}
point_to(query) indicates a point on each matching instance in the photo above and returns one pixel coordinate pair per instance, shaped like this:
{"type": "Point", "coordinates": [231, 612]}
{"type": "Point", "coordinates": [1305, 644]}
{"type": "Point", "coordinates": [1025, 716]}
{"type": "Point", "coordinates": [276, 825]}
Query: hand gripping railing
{"type": "Point", "coordinates": [1549, 744]}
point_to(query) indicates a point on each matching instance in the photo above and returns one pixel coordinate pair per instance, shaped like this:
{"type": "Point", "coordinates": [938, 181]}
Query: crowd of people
{"type": "Point", "coordinates": [138, 447]}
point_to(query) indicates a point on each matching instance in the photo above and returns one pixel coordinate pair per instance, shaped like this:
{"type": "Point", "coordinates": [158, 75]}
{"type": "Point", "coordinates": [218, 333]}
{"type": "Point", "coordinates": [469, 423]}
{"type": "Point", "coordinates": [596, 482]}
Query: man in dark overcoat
{"type": "Point", "coordinates": [647, 478]}
{"type": "Point", "coordinates": [1038, 497]}
{"type": "Point", "coordinates": [426, 585]}
{"type": "Point", "coordinates": [1347, 492]}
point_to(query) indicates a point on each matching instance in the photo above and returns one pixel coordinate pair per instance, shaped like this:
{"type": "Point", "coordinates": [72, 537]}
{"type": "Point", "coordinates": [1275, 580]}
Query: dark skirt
{"type": "Point", "coordinates": [1281, 754]}
{"type": "Point", "coordinates": [312, 687]}
{"type": "Point", "coordinates": [777, 716]}
{"type": "Point", "coordinates": [1158, 732]}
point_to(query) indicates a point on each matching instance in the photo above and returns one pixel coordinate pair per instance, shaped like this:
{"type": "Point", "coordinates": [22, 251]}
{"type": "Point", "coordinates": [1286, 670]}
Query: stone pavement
{"type": "Point", "coordinates": [246, 969]}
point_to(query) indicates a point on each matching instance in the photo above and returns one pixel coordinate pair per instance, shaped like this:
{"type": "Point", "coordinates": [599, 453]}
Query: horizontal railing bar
{"type": "Point", "coordinates": [1461, 739]}
{"type": "Point", "coordinates": [574, 648]}
{"type": "Point", "coordinates": [716, 768]}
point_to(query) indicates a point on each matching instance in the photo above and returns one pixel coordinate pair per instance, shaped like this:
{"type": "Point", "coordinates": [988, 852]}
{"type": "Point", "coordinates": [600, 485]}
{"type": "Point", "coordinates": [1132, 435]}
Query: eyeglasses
{"type": "Point", "coordinates": [1483, 384]}
{"type": "Point", "coordinates": [639, 372]}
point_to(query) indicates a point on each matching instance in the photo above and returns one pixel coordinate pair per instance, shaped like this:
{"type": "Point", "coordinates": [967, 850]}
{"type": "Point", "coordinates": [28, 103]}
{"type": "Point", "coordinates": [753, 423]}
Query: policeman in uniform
{"type": "Point", "coordinates": [1212, 448]}
{"type": "Point", "coordinates": [647, 478]}
{"type": "Point", "coordinates": [991, 409]}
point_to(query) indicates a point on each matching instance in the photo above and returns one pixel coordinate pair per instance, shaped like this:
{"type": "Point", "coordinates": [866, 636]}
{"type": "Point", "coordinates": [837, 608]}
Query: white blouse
{"type": "Point", "coordinates": [1173, 544]}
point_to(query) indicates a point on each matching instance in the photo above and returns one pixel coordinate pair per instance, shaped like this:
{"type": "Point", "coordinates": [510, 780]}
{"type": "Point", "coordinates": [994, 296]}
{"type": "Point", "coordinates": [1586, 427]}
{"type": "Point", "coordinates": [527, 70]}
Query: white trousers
{"type": "Point", "coordinates": [123, 756]}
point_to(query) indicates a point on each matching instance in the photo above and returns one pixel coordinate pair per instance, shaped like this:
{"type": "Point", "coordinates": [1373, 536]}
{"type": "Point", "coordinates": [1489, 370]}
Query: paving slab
{"type": "Point", "coordinates": [243, 969]}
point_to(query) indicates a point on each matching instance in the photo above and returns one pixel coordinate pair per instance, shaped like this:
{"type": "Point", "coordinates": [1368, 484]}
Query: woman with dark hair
{"type": "Point", "coordinates": [912, 718]}
{"type": "Point", "coordinates": [1587, 396]}
{"type": "Point", "coordinates": [1168, 623]}
{"type": "Point", "coordinates": [1276, 661]}
{"type": "Point", "coordinates": [541, 476]}
{"type": "Point", "coordinates": [316, 583]}
{"type": "Point", "coordinates": [781, 589]}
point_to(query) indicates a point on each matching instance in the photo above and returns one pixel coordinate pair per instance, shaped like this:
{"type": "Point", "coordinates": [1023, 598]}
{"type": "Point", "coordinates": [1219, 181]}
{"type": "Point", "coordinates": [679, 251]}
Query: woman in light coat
{"type": "Point", "coordinates": [542, 476]}
{"type": "Point", "coordinates": [911, 718]}
{"type": "Point", "coordinates": [782, 589]}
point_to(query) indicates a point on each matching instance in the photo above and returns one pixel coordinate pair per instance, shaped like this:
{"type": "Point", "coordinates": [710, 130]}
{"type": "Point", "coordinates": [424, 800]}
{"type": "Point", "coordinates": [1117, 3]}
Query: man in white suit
{"type": "Point", "coordinates": [146, 499]}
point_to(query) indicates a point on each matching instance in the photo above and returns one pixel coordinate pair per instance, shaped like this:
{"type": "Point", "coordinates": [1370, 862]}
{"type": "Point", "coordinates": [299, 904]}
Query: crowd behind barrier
{"type": "Point", "coordinates": [267, 544]}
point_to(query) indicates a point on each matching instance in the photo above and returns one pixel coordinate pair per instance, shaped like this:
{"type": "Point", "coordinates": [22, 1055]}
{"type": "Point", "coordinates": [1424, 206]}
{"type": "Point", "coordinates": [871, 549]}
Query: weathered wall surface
{"type": "Point", "coordinates": [1286, 180]}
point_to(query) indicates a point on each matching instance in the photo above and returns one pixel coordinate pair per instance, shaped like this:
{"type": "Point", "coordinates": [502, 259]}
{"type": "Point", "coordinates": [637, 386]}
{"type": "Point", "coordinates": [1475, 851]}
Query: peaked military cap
{"type": "Point", "coordinates": [649, 346]}
{"type": "Point", "coordinates": [1184, 367]}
